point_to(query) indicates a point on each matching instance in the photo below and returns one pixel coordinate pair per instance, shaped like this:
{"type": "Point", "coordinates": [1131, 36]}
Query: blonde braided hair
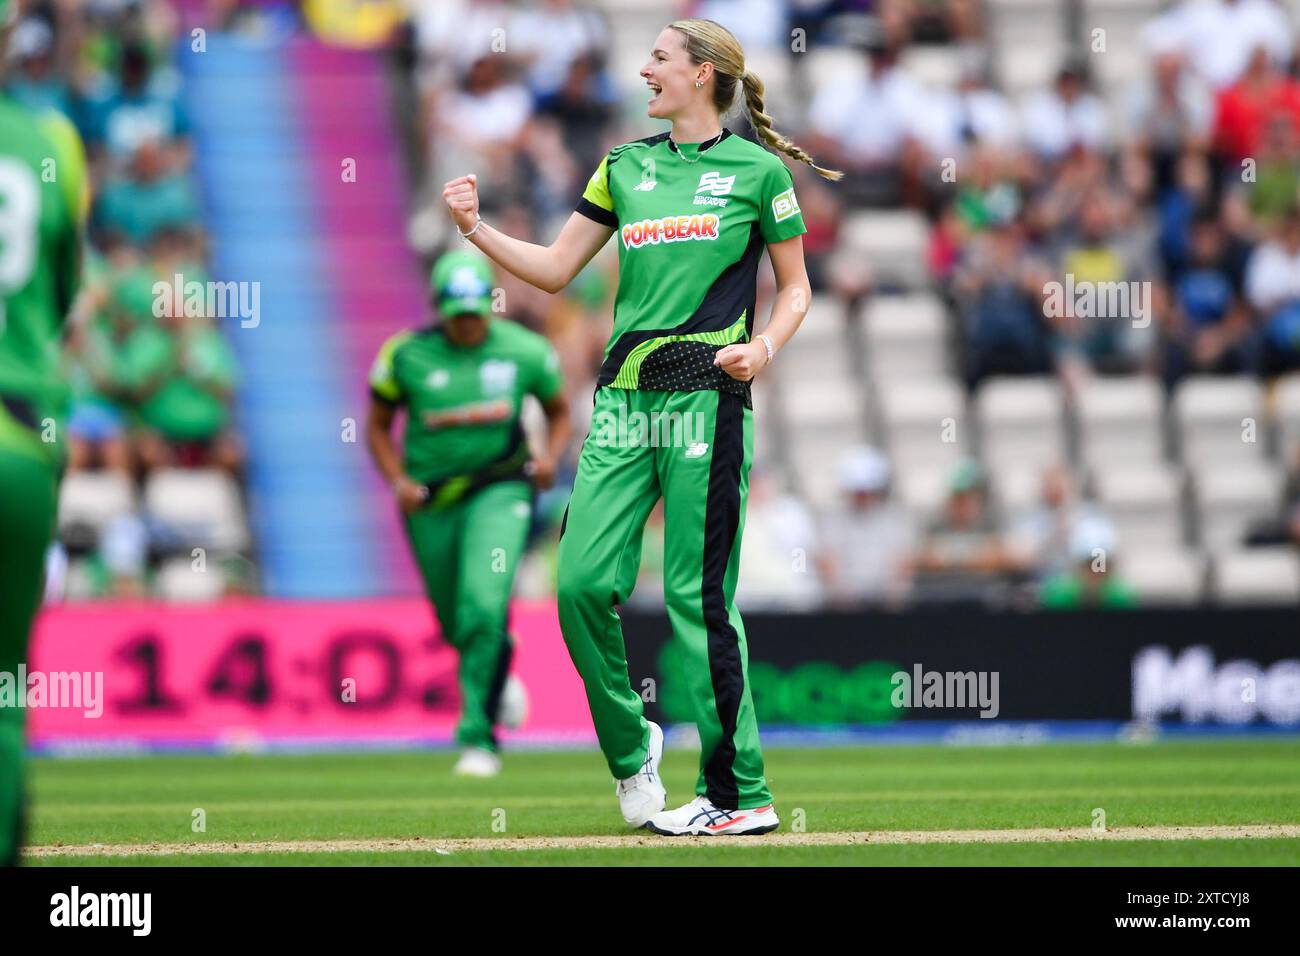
{"type": "Point", "coordinates": [709, 41]}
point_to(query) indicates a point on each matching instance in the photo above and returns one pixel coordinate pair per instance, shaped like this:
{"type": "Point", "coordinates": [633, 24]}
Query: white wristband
{"type": "Point", "coordinates": [767, 344]}
{"type": "Point", "coordinates": [478, 221]}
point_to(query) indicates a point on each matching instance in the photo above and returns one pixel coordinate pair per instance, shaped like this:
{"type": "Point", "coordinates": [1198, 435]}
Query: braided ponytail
{"type": "Point", "coordinates": [708, 41]}
{"type": "Point", "coordinates": [762, 123]}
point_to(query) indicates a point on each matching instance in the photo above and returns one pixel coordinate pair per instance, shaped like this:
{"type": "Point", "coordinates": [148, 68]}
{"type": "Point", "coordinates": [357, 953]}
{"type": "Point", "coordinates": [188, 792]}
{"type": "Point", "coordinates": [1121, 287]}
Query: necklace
{"type": "Point", "coordinates": [712, 141]}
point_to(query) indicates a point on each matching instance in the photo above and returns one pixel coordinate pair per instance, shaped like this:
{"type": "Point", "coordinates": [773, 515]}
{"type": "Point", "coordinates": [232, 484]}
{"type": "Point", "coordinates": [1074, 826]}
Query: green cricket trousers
{"type": "Point", "coordinates": [468, 554]}
{"type": "Point", "coordinates": [694, 450]}
{"type": "Point", "coordinates": [28, 499]}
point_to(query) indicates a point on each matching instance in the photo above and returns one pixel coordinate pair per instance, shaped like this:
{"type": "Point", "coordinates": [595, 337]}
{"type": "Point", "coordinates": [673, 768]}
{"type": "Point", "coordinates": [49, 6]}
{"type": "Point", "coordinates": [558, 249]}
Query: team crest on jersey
{"type": "Point", "coordinates": [715, 183]}
{"type": "Point", "coordinates": [671, 229]}
{"type": "Point", "coordinates": [716, 187]}
{"type": "Point", "coordinates": [497, 375]}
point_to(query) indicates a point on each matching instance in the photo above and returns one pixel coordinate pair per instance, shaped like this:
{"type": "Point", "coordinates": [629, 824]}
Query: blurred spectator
{"type": "Point", "coordinates": [478, 125]}
{"type": "Point", "coordinates": [868, 542]}
{"type": "Point", "coordinates": [1065, 117]}
{"type": "Point", "coordinates": [972, 115]}
{"type": "Point", "coordinates": [1218, 36]}
{"type": "Point", "coordinates": [963, 556]}
{"type": "Point", "coordinates": [150, 197]}
{"type": "Point", "coordinates": [1208, 328]}
{"type": "Point", "coordinates": [1039, 539]}
{"type": "Point", "coordinates": [1168, 113]}
{"type": "Point", "coordinates": [1090, 581]}
{"type": "Point", "coordinates": [141, 107]}
{"type": "Point", "coordinates": [876, 156]}
{"type": "Point", "coordinates": [1101, 255]}
{"type": "Point", "coordinates": [1245, 108]}
{"type": "Point", "coordinates": [182, 374]}
{"type": "Point", "coordinates": [553, 36]}
{"type": "Point", "coordinates": [1273, 288]}
{"type": "Point", "coordinates": [999, 287]}
{"type": "Point", "coordinates": [779, 549]}
{"type": "Point", "coordinates": [35, 81]}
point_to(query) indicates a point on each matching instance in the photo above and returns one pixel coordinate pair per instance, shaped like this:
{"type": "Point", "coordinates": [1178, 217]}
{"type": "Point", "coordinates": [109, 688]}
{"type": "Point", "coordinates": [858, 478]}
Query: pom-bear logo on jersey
{"type": "Point", "coordinates": [671, 229]}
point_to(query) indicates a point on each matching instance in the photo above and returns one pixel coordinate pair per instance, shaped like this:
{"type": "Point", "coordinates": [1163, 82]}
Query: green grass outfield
{"type": "Point", "coordinates": [410, 796]}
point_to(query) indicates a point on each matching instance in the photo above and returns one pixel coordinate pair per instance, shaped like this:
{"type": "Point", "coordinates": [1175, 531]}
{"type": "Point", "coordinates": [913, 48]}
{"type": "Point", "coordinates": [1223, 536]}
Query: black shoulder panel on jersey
{"type": "Point", "coordinates": [618, 151]}
{"type": "Point", "coordinates": [596, 213]}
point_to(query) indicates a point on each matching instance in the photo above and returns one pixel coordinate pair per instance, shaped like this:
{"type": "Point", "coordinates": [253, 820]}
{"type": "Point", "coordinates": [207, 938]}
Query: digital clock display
{"type": "Point", "coordinates": [250, 673]}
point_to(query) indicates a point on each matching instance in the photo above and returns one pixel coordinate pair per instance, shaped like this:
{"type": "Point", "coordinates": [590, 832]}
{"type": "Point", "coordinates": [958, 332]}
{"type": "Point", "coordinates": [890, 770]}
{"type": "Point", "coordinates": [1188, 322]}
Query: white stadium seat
{"type": "Point", "coordinates": [1163, 575]}
{"type": "Point", "coordinates": [1286, 412]}
{"type": "Point", "coordinates": [1144, 503]}
{"type": "Point", "coordinates": [94, 498]}
{"type": "Point", "coordinates": [892, 244]}
{"type": "Point", "coordinates": [1215, 416]}
{"type": "Point", "coordinates": [923, 488]}
{"type": "Point", "coordinates": [919, 417]}
{"type": "Point", "coordinates": [1257, 576]}
{"type": "Point", "coordinates": [1021, 421]}
{"type": "Point", "coordinates": [905, 337]}
{"type": "Point", "coordinates": [1231, 497]}
{"type": "Point", "coordinates": [178, 580]}
{"type": "Point", "coordinates": [1121, 421]}
{"type": "Point", "coordinates": [201, 506]}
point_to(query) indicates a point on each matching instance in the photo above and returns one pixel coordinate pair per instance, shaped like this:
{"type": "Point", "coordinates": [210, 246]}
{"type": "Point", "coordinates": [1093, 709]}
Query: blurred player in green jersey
{"type": "Point", "coordinates": [692, 210]}
{"type": "Point", "coordinates": [42, 198]}
{"type": "Point", "coordinates": [465, 475]}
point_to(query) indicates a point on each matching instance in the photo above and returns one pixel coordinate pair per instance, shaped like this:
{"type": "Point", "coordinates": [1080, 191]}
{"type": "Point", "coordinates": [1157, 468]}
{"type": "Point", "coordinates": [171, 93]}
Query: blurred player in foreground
{"type": "Point", "coordinates": [693, 208]}
{"type": "Point", "coordinates": [462, 479]}
{"type": "Point", "coordinates": [42, 198]}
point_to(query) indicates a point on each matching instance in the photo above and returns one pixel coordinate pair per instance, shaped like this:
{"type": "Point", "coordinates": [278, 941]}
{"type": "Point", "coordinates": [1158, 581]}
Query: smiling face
{"type": "Point", "coordinates": [670, 75]}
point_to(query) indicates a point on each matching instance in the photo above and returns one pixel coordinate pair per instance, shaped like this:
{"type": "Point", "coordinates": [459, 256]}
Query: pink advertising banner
{"type": "Point", "coordinates": [270, 673]}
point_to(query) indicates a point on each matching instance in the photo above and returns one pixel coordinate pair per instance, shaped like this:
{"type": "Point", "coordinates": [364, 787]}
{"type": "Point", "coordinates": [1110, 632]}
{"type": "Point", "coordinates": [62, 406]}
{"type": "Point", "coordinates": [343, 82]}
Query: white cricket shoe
{"type": "Point", "coordinates": [477, 762]}
{"type": "Point", "coordinates": [701, 818]}
{"type": "Point", "coordinates": [512, 709]}
{"type": "Point", "coordinates": [642, 795]}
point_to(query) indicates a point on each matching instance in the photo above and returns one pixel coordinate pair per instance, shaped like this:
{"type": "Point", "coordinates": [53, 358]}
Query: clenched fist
{"type": "Point", "coordinates": [742, 362]}
{"type": "Point", "coordinates": [461, 196]}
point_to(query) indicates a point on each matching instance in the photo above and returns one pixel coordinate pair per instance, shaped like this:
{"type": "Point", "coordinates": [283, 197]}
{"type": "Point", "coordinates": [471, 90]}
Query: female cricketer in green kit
{"type": "Point", "coordinates": [464, 477]}
{"type": "Point", "coordinates": [693, 209]}
{"type": "Point", "coordinates": [40, 255]}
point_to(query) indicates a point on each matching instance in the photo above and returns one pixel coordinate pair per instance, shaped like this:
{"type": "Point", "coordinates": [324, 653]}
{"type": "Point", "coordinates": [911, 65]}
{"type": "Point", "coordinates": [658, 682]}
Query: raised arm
{"type": "Point", "coordinates": [550, 268]}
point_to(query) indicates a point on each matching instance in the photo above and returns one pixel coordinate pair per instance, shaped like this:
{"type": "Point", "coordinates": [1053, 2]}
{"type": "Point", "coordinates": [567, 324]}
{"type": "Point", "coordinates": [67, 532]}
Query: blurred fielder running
{"type": "Point", "coordinates": [693, 209]}
{"type": "Point", "coordinates": [42, 200]}
{"type": "Point", "coordinates": [462, 479]}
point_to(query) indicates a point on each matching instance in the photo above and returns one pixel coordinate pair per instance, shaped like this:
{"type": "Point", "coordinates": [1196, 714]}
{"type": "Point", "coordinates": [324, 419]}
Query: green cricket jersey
{"type": "Point", "coordinates": [463, 403]}
{"type": "Point", "coordinates": [42, 194]}
{"type": "Point", "coordinates": [691, 225]}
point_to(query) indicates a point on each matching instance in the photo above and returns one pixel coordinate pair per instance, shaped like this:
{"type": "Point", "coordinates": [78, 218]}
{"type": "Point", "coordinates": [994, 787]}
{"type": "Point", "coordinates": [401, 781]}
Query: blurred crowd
{"type": "Point", "coordinates": [152, 376]}
{"type": "Point", "coordinates": [1185, 179]}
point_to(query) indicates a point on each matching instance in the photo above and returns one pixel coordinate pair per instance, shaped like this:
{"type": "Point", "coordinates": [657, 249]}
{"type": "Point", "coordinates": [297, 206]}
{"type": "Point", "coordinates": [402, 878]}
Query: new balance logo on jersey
{"type": "Point", "coordinates": [670, 229]}
{"type": "Point", "coordinates": [438, 378]}
{"type": "Point", "coordinates": [645, 185]}
{"type": "Point", "coordinates": [697, 449]}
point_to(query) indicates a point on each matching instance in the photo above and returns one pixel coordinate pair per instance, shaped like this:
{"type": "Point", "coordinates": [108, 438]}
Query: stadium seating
{"type": "Point", "coordinates": [1258, 576]}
